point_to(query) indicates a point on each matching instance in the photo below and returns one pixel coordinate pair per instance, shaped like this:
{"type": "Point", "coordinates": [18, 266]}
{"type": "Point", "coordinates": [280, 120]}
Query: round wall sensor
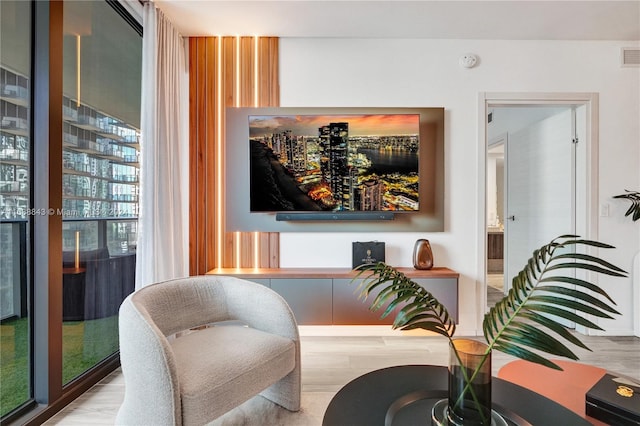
{"type": "Point", "coordinates": [469, 60]}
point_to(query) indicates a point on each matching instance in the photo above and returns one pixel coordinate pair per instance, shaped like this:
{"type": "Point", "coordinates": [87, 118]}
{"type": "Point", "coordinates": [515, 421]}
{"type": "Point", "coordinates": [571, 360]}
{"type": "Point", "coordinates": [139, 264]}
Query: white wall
{"type": "Point", "coordinates": [404, 73]}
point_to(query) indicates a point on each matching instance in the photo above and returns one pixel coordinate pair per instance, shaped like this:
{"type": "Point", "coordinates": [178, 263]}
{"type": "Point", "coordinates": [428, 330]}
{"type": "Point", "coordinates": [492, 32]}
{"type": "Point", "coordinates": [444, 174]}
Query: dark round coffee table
{"type": "Point", "coordinates": [404, 395]}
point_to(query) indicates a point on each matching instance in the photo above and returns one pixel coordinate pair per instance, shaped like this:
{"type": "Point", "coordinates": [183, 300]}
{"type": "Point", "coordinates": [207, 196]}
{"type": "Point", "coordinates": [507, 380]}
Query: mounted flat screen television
{"type": "Point", "coordinates": [314, 165]}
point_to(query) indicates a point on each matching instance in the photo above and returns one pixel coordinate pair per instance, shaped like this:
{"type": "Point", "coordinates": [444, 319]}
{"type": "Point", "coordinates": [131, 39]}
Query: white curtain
{"type": "Point", "coordinates": [163, 230]}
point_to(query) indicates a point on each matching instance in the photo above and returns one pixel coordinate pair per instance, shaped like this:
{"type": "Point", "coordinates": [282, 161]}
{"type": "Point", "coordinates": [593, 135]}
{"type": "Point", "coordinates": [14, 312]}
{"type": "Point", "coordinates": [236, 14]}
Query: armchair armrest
{"type": "Point", "coordinates": [149, 369]}
{"type": "Point", "coordinates": [260, 307]}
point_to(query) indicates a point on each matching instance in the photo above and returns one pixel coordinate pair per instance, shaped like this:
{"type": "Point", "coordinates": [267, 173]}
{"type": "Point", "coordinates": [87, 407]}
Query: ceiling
{"type": "Point", "coordinates": [477, 19]}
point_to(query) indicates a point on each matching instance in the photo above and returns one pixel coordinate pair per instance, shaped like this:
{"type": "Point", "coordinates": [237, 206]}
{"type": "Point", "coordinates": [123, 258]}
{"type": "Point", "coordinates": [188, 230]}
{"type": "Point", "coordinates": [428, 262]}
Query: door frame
{"type": "Point", "coordinates": [588, 210]}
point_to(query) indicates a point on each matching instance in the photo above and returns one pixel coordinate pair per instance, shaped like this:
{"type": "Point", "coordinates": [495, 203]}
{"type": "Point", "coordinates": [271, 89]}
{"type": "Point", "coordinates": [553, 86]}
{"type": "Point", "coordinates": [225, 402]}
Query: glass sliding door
{"type": "Point", "coordinates": [15, 152]}
{"type": "Point", "coordinates": [102, 59]}
{"type": "Point", "coordinates": [58, 321]}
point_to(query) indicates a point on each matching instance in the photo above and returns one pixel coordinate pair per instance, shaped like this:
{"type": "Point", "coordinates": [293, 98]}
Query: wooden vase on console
{"type": "Point", "coordinates": [422, 255]}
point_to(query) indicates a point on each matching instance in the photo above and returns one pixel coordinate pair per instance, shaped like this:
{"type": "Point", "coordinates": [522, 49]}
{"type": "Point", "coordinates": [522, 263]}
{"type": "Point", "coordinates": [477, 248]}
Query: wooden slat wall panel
{"type": "Point", "coordinates": [246, 249]}
{"type": "Point", "coordinates": [272, 70]}
{"type": "Point", "coordinates": [247, 71]}
{"type": "Point", "coordinates": [196, 156]}
{"type": "Point", "coordinates": [229, 95]}
{"type": "Point", "coordinates": [274, 250]}
{"type": "Point", "coordinates": [228, 72]}
{"type": "Point", "coordinates": [263, 255]}
{"type": "Point", "coordinates": [211, 153]}
{"type": "Point", "coordinates": [269, 95]}
{"type": "Point", "coordinates": [193, 156]}
{"type": "Point", "coordinates": [222, 74]}
{"type": "Point", "coordinates": [269, 88]}
{"type": "Point", "coordinates": [228, 253]}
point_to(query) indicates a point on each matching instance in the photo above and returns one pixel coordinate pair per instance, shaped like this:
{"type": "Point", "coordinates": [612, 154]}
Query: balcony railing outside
{"type": "Point", "coordinates": [98, 272]}
{"type": "Point", "coordinates": [116, 237]}
{"type": "Point", "coordinates": [13, 279]}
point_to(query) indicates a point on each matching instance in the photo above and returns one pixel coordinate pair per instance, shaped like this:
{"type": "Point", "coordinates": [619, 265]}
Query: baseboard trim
{"type": "Point", "coordinates": [72, 391]}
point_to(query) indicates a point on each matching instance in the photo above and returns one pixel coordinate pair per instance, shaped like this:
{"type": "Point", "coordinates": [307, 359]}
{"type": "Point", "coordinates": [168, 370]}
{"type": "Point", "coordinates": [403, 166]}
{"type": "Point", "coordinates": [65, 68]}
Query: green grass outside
{"type": "Point", "coordinates": [14, 383]}
{"type": "Point", "coordinates": [84, 344]}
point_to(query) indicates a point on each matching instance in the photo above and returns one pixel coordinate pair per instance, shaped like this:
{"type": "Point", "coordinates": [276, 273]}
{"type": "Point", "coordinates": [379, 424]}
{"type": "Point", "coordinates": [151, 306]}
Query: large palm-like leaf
{"type": "Point", "coordinates": [634, 209]}
{"type": "Point", "coordinates": [519, 322]}
{"type": "Point", "coordinates": [515, 325]}
{"type": "Point", "coordinates": [421, 309]}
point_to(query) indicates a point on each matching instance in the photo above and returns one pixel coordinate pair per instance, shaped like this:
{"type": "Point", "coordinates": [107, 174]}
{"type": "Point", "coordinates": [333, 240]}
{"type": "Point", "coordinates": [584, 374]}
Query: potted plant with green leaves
{"type": "Point", "coordinates": [634, 208]}
{"type": "Point", "coordinates": [542, 294]}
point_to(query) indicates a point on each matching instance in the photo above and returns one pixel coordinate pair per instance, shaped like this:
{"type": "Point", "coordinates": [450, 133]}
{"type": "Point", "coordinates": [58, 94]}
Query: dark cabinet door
{"type": "Point", "coordinates": [309, 299]}
{"type": "Point", "coordinates": [348, 309]}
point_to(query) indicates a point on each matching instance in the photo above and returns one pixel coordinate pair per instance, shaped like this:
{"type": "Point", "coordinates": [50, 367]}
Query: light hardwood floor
{"type": "Point", "coordinates": [331, 362]}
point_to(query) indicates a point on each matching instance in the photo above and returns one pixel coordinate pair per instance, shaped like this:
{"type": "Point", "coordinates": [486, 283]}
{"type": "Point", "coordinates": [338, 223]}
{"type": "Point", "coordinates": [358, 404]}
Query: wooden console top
{"type": "Point", "coordinates": [437, 272]}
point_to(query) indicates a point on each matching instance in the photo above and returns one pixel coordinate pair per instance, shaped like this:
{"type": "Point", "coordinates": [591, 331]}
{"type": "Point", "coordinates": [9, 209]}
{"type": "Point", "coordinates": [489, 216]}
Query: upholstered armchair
{"type": "Point", "coordinates": [181, 369]}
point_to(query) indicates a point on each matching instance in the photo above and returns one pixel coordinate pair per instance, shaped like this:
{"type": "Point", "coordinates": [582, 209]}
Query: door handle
{"type": "Point", "coordinates": [512, 217]}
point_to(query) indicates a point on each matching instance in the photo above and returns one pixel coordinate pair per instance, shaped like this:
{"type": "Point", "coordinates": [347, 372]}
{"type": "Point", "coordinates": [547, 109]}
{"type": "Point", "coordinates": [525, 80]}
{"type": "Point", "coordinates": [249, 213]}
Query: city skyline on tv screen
{"type": "Point", "coordinates": [355, 162]}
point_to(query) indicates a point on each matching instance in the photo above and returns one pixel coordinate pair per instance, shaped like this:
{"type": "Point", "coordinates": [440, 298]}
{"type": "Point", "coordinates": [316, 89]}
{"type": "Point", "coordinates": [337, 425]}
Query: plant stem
{"type": "Point", "coordinates": [491, 343]}
{"type": "Point", "coordinates": [468, 381]}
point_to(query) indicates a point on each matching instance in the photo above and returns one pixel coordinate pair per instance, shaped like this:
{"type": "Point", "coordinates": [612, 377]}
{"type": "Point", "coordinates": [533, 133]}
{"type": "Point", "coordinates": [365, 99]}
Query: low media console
{"type": "Point", "coordinates": [326, 296]}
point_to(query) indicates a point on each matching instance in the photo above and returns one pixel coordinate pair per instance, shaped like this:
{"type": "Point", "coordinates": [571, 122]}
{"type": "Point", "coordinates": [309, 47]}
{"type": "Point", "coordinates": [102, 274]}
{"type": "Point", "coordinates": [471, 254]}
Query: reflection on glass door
{"type": "Point", "coordinates": [15, 88]}
{"type": "Point", "coordinates": [101, 111]}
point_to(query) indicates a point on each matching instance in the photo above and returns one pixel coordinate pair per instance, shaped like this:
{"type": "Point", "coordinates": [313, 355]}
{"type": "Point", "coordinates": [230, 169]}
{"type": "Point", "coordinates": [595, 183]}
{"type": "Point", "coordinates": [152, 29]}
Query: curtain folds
{"type": "Point", "coordinates": [163, 240]}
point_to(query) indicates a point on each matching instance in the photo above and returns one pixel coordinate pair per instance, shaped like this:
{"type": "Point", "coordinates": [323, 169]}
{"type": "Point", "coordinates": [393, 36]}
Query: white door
{"type": "Point", "coordinates": [540, 193]}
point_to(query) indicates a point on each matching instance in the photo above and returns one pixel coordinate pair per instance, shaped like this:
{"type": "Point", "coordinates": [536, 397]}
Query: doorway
{"type": "Point", "coordinates": [537, 168]}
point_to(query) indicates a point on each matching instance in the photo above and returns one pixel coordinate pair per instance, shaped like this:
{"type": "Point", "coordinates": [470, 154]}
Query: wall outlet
{"type": "Point", "coordinates": [604, 210]}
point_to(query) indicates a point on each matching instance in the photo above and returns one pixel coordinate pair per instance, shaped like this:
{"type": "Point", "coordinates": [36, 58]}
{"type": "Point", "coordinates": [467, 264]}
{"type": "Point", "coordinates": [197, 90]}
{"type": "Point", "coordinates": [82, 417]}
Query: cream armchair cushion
{"type": "Point", "coordinates": [199, 375]}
